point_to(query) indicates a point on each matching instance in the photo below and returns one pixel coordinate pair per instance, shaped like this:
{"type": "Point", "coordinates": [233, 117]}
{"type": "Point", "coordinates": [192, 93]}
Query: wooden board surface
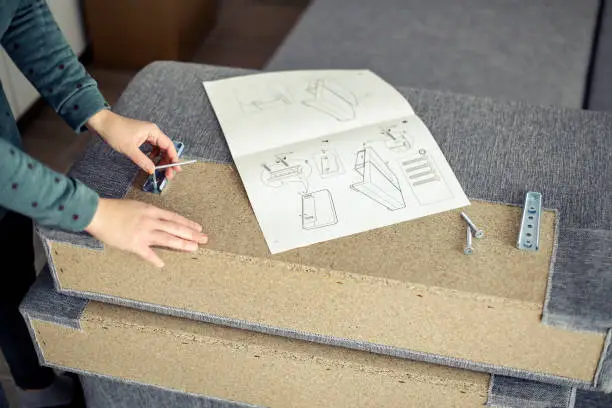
{"type": "Point", "coordinates": [407, 286]}
{"type": "Point", "coordinates": [254, 368]}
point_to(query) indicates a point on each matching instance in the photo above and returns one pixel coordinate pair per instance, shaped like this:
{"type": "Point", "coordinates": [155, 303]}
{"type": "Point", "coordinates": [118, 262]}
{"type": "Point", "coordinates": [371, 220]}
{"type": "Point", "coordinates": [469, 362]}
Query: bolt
{"type": "Point", "coordinates": [478, 233]}
{"type": "Point", "coordinates": [469, 249]}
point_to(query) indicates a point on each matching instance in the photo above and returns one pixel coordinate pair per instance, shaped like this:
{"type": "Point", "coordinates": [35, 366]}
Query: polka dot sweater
{"type": "Point", "coordinates": [33, 40]}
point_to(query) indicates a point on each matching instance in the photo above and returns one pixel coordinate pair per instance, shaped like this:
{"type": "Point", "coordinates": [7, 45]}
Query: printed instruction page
{"type": "Point", "coordinates": [329, 153]}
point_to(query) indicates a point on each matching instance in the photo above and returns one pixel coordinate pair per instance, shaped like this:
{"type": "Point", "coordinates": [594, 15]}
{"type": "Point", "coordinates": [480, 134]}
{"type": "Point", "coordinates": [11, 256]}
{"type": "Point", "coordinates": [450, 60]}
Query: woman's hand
{"type": "Point", "coordinates": [134, 226]}
{"type": "Point", "coordinates": [126, 135]}
{"type": "Point", "coordinates": [131, 225]}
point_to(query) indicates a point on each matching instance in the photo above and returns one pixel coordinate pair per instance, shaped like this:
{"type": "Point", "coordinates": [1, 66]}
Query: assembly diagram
{"type": "Point", "coordinates": [399, 140]}
{"type": "Point", "coordinates": [285, 169]}
{"type": "Point", "coordinates": [317, 207]}
{"type": "Point", "coordinates": [274, 101]}
{"type": "Point", "coordinates": [394, 137]}
{"type": "Point", "coordinates": [424, 178]}
{"type": "Point", "coordinates": [328, 161]}
{"type": "Point", "coordinates": [318, 210]}
{"type": "Point", "coordinates": [331, 98]}
{"type": "Point", "coordinates": [323, 95]}
{"type": "Point", "coordinates": [378, 182]}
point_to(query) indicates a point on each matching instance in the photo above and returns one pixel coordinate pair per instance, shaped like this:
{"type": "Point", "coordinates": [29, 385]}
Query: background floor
{"type": "Point", "coordinates": [247, 34]}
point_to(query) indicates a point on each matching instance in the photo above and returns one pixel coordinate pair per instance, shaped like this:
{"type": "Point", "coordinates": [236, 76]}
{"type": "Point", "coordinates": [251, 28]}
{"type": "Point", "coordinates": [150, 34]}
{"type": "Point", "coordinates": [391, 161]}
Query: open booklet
{"type": "Point", "coordinates": [329, 153]}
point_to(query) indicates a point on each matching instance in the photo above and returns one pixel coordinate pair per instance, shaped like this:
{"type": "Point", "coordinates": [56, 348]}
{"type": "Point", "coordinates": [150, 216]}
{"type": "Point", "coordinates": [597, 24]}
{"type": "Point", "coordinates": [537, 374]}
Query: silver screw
{"type": "Point", "coordinates": [468, 247]}
{"type": "Point", "coordinates": [478, 233]}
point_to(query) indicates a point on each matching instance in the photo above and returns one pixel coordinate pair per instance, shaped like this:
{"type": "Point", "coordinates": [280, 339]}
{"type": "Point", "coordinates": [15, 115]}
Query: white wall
{"type": "Point", "coordinates": [20, 93]}
{"type": "Point", "coordinates": [68, 15]}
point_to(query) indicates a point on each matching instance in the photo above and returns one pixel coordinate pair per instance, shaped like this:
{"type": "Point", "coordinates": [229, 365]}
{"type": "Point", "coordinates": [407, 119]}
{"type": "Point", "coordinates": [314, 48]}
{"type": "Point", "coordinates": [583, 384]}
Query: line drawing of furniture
{"type": "Point", "coordinates": [328, 161]}
{"type": "Point", "coordinates": [379, 183]}
{"type": "Point", "coordinates": [318, 210]}
{"type": "Point", "coordinates": [278, 100]}
{"type": "Point", "coordinates": [332, 99]}
{"type": "Point", "coordinates": [399, 138]}
{"type": "Point", "coordinates": [424, 179]}
{"type": "Point", "coordinates": [284, 170]}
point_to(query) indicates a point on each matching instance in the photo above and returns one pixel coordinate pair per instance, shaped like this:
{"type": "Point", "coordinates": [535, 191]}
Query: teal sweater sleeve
{"type": "Point", "coordinates": [52, 199]}
{"type": "Point", "coordinates": [36, 44]}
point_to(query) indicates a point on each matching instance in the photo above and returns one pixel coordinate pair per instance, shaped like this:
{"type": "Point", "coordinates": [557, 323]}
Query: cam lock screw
{"type": "Point", "coordinates": [469, 249]}
{"type": "Point", "coordinates": [478, 233]}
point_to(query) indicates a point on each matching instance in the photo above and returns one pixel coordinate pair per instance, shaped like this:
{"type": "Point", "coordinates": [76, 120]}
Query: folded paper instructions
{"type": "Point", "coordinates": [328, 153]}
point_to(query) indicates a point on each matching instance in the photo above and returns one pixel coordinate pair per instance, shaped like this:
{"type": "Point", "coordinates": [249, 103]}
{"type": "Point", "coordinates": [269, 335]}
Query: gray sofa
{"type": "Point", "coordinates": [533, 51]}
{"type": "Point", "coordinates": [496, 131]}
{"type": "Point", "coordinates": [508, 56]}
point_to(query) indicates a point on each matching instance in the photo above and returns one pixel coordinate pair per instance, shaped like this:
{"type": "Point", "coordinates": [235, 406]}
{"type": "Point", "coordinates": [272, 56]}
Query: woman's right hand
{"type": "Point", "coordinates": [135, 226]}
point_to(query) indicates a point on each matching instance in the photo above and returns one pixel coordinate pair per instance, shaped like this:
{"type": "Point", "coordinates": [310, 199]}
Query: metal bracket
{"type": "Point", "coordinates": [156, 182]}
{"type": "Point", "coordinates": [529, 233]}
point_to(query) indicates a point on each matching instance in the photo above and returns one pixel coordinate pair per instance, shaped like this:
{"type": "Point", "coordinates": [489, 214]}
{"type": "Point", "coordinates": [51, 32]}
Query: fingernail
{"type": "Point", "coordinates": [204, 239]}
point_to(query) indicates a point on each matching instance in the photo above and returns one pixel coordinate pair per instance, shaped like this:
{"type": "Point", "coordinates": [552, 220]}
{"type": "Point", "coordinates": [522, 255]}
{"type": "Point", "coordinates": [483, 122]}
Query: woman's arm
{"type": "Point", "coordinates": [38, 48]}
{"type": "Point", "coordinates": [36, 44]}
{"type": "Point", "coordinates": [52, 199]}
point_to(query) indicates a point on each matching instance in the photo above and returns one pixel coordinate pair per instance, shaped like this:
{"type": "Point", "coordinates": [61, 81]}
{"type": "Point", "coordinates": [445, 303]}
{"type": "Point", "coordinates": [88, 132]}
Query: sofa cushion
{"type": "Point", "coordinates": [536, 51]}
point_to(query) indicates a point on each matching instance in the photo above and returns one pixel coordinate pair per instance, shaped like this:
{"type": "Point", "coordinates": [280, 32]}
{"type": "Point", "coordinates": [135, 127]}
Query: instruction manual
{"type": "Point", "coordinates": [328, 153]}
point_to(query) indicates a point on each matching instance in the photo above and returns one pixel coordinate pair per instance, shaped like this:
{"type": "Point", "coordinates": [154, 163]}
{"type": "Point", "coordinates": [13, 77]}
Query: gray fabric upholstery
{"type": "Point", "coordinates": [498, 151]}
{"type": "Point", "coordinates": [515, 393]}
{"type": "Point", "coordinates": [535, 51]}
{"type": "Point", "coordinates": [43, 302]}
{"type": "Point", "coordinates": [585, 399]}
{"type": "Point", "coordinates": [600, 97]}
{"type": "Point", "coordinates": [585, 261]}
{"type": "Point", "coordinates": [101, 392]}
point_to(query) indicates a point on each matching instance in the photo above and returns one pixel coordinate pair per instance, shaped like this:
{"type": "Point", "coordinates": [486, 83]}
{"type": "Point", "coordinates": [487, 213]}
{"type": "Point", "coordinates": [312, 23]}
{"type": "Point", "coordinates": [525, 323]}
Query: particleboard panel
{"type": "Point", "coordinates": [407, 286]}
{"type": "Point", "coordinates": [248, 367]}
{"type": "Point", "coordinates": [426, 251]}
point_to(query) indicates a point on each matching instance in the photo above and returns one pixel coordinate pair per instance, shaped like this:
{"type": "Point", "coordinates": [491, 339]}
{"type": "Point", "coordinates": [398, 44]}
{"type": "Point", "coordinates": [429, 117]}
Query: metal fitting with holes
{"type": "Point", "coordinates": [529, 233]}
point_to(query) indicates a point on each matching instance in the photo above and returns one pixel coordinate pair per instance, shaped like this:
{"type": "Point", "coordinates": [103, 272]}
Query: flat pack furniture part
{"type": "Point", "coordinates": [204, 365]}
{"type": "Point", "coordinates": [122, 386]}
{"type": "Point", "coordinates": [502, 133]}
{"type": "Point", "coordinates": [499, 49]}
{"type": "Point", "coordinates": [102, 392]}
{"type": "Point", "coordinates": [389, 304]}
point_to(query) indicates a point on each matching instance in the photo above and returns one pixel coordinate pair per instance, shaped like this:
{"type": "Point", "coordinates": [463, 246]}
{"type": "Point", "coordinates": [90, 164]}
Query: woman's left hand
{"type": "Point", "coordinates": [126, 135]}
